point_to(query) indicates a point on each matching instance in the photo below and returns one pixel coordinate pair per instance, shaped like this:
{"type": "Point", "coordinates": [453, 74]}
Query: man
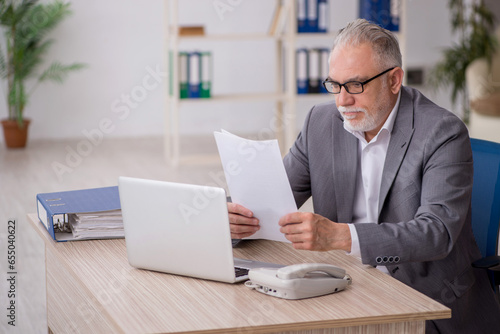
{"type": "Point", "coordinates": [390, 174]}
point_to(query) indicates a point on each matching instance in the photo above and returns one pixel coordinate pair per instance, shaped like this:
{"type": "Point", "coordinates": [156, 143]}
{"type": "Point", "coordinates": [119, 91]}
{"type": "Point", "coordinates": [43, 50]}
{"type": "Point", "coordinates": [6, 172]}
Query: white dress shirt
{"type": "Point", "coordinates": [371, 157]}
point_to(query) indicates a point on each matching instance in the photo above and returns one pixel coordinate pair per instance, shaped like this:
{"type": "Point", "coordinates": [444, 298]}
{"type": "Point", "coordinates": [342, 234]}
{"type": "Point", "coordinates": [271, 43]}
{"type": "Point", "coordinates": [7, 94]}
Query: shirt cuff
{"type": "Point", "coordinates": [355, 249]}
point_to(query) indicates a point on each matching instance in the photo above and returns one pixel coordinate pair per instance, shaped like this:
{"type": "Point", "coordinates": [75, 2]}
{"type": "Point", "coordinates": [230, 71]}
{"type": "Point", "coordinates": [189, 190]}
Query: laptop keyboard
{"type": "Point", "coordinates": [240, 271]}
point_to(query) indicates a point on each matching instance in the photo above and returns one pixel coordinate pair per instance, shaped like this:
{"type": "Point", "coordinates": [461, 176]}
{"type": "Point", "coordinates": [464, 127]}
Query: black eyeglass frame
{"type": "Point", "coordinates": [359, 82]}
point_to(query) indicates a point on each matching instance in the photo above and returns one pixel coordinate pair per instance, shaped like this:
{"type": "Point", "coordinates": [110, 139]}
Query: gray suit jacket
{"type": "Point", "coordinates": [424, 234]}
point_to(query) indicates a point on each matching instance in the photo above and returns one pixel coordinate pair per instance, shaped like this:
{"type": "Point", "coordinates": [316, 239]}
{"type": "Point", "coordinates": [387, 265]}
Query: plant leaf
{"type": "Point", "coordinates": [57, 71]}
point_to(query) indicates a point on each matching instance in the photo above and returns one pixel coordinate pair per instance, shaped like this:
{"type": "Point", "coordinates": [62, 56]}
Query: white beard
{"type": "Point", "coordinates": [369, 120]}
{"type": "Point", "coordinates": [366, 123]}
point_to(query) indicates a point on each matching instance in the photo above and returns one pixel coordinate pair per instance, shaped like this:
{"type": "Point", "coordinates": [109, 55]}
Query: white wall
{"type": "Point", "coordinates": [119, 41]}
{"type": "Point", "coordinates": [122, 41]}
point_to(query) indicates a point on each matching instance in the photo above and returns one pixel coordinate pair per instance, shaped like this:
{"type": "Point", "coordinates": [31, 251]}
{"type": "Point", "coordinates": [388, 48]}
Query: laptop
{"type": "Point", "coordinates": [180, 229]}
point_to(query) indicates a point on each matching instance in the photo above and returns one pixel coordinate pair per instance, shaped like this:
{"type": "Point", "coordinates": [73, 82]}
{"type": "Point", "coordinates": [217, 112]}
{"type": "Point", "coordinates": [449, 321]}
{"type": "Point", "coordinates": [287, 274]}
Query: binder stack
{"type": "Point", "coordinates": [385, 13]}
{"type": "Point", "coordinates": [195, 74]}
{"type": "Point", "coordinates": [312, 69]}
{"type": "Point", "coordinates": [312, 16]}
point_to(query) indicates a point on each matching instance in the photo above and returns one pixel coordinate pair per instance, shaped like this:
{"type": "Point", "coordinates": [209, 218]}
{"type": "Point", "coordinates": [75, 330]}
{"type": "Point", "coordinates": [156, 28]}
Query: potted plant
{"type": "Point", "coordinates": [474, 24]}
{"type": "Point", "coordinates": [25, 26]}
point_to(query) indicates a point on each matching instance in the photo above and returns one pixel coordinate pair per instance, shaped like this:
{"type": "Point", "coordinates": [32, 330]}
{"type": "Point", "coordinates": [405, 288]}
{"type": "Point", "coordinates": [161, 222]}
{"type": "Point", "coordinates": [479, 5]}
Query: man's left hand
{"type": "Point", "coordinates": [310, 231]}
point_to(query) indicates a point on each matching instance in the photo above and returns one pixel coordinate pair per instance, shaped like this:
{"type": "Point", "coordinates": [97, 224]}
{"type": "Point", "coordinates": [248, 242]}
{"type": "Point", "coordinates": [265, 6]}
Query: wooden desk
{"type": "Point", "coordinates": [91, 288]}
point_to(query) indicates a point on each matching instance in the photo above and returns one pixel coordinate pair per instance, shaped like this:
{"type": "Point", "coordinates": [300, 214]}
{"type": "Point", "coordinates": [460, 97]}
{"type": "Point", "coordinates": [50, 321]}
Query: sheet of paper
{"type": "Point", "coordinates": [257, 179]}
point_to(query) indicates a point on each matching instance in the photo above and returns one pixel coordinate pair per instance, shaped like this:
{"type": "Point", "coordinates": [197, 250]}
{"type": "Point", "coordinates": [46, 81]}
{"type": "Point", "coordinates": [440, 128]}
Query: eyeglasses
{"type": "Point", "coordinates": [352, 87]}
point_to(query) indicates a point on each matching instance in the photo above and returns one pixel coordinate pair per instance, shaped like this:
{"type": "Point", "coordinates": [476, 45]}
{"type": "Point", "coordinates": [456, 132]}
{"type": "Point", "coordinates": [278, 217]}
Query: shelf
{"type": "Point", "coordinates": [315, 96]}
{"type": "Point", "coordinates": [316, 34]}
{"type": "Point", "coordinates": [253, 36]}
{"type": "Point", "coordinates": [237, 97]}
{"type": "Point", "coordinates": [228, 37]}
{"type": "Point", "coordinates": [284, 94]}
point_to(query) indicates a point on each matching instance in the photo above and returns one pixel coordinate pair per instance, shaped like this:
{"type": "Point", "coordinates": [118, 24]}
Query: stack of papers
{"type": "Point", "coordinates": [97, 225]}
{"type": "Point", "coordinates": [256, 178]}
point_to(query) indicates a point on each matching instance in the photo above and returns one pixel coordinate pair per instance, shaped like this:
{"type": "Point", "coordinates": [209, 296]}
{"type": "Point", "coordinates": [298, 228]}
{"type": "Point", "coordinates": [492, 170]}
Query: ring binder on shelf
{"type": "Point", "coordinates": [206, 74]}
{"type": "Point", "coordinates": [322, 16]}
{"type": "Point", "coordinates": [183, 75]}
{"type": "Point", "coordinates": [324, 54]}
{"type": "Point", "coordinates": [385, 13]}
{"type": "Point", "coordinates": [312, 16]}
{"type": "Point", "coordinates": [302, 76]}
{"type": "Point", "coordinates": [301, 16]}
{"type": "Point", "coordinates": [194, 75]}
{"type": "Point", "coordinates": [314, 74]}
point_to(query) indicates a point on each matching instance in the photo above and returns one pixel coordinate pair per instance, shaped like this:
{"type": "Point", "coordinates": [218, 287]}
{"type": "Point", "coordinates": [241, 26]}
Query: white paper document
{"type": "Point", "coordinates": [257, 179]}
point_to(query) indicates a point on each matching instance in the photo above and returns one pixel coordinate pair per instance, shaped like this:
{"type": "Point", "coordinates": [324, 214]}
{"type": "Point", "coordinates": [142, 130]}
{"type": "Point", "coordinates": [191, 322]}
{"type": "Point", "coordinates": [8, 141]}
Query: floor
{"type": "Point", "coordinates": [47, 166]}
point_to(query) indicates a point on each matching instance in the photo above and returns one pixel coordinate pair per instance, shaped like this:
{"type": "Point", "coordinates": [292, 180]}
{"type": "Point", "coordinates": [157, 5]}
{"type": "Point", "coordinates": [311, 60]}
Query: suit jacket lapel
{"type": "Point", "coordinates": [398, 145]}
{"type": "Point", "coordinates": [345, 161]}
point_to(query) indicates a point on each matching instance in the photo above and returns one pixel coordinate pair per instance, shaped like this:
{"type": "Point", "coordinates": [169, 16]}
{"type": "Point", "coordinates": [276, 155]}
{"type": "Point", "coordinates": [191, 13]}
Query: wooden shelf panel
{"type": "Point", "coordinates": [228, 37]}
{"type": "Point", "coordinates": [237, 97]}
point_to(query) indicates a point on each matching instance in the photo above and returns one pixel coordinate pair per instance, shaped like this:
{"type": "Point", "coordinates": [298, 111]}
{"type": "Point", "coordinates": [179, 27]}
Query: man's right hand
{"type": "Point", "coordinates": [241, 221]}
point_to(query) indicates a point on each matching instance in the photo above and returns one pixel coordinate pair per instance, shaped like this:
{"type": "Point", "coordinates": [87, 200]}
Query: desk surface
{"type": "Point", "coordinates": [90, 285]}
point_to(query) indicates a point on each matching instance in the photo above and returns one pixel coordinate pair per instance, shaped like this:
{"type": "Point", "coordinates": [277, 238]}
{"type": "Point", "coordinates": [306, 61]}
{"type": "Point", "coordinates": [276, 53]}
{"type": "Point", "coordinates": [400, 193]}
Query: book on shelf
{"type": "Point", "coordinates": [191, 31]}
{"type": "Point", "coordinates": [81, 214]}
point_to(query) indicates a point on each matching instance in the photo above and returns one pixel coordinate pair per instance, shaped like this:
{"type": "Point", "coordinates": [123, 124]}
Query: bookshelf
{"type": "Point", "coordinates": [284, 94]}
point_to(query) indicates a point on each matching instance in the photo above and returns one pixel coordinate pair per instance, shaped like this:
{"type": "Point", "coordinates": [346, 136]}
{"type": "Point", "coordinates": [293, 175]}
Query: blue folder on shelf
{"type": "Point", "coordinates": [54, 209]}
{"type": "Point", "coordinates": [302, 71]}
{"type": "Point", "coordinates": [322, 16]}
{"type": "Point", "coordinates": [302, 16]}
{"type": "Point", "coordinates": [314, 71]}
{"type": "Point", "coordinates": [194, 79]}
{"type": "Point", "coordinates": [385, 13]}
{"type": "Point", "coordinates": [312, 16]}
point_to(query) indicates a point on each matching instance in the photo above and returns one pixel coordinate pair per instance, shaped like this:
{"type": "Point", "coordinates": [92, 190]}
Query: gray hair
{"type": "Point", "coordinates": [383, 42]}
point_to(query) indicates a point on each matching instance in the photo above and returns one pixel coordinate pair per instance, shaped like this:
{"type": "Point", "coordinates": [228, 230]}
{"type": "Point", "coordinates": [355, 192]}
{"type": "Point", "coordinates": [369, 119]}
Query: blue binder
{"type": "Point", "coordinates": [194, 75]}
{"type": "Point", "coordinates": [314, 71]}
{"type": "Point", "coordinates": [312, 15]}
{"type": "Point", "coordinates": [324, 54]}
{"type": "Point", "coordinates": [54, 208]}
{"type": "Point", "coordinates": [322, 16]}
{"type": "Point", "coordinates": [302, 71]}
{"type": "Point", "coordinates": [382, 12]}
{"type": "Point", "coordinates": [301, 16]}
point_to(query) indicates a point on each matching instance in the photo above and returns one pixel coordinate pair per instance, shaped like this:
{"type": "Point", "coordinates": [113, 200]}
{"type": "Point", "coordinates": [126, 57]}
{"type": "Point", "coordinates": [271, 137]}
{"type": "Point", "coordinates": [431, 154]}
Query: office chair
{"type": "Point", "coordinates": [486, 206]}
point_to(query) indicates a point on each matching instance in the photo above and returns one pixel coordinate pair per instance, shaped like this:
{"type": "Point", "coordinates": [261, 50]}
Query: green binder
{"type": "Point", "coordinates": [183, 75]}
{"type": "Point", "coordinates": [206, 74]}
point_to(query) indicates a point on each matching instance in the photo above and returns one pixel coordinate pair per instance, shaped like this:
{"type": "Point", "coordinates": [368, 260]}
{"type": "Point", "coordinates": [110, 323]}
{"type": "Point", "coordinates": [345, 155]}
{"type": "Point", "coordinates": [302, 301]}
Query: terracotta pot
{"type": "Point", "coordinates": [15, 136]}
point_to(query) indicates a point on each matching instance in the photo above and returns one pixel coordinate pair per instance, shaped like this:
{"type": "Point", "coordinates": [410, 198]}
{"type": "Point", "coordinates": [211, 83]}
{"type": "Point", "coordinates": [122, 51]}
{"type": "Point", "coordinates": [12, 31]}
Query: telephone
{"type": "Point", "coordinates": [299, 281]}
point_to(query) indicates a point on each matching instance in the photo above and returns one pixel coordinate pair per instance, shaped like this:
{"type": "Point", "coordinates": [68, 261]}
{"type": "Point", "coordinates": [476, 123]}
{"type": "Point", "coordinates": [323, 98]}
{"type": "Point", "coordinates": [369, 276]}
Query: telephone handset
{"type": "Point", "coordinates": [299, 281]}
